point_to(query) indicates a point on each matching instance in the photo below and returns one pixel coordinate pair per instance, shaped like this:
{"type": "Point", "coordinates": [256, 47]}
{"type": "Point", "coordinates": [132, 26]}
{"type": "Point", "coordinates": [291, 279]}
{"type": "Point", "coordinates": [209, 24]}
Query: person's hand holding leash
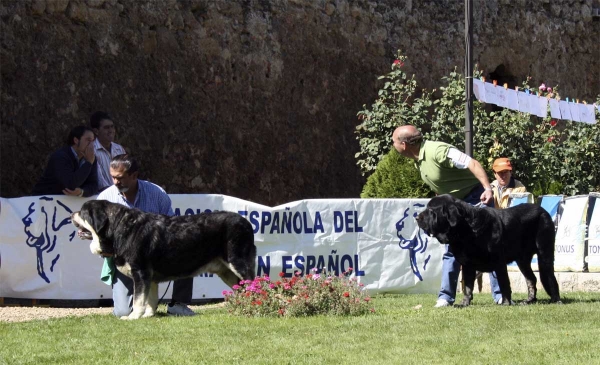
{"type": "Point", "coordinates": [486, 196]}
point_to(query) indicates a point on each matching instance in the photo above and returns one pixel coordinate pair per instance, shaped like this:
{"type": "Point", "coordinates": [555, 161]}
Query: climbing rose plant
{"type": "Point", "coordinates": [550, 156]}
{"type": "Point", "coordinates": [317, 293]}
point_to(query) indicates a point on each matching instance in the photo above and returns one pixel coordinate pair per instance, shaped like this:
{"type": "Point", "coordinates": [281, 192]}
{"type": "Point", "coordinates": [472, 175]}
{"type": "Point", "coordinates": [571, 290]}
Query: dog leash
{"type": "Point", "coordinates": [160, 300]}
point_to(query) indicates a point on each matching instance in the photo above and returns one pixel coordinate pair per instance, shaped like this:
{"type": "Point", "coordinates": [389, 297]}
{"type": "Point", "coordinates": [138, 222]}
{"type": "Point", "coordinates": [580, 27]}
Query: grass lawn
{"type": "Point", "coordinates": [398, 333]}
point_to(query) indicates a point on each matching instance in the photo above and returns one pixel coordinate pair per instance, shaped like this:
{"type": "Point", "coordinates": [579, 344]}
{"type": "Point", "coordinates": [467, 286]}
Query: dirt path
{"type": "Point", "coordinates": [22, 314]}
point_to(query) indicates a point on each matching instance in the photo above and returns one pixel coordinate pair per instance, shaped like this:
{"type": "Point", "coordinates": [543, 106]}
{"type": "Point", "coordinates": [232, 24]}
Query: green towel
{"type": "Point", "coordinates": [108, 271]}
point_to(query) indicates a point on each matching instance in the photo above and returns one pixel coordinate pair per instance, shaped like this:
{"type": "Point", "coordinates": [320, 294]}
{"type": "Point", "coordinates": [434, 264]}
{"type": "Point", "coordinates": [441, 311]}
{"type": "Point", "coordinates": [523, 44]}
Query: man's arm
{"type": "Point", "coordinates": [164, 202]}
{"type": "Point", "coordinates": [90, 186]}
{"type": "Point", "coordinates": [166, 206]}
{"type": "Point", "coordinates": [478, 171]}
{"type": "Point", "coordinates": [62, 167]}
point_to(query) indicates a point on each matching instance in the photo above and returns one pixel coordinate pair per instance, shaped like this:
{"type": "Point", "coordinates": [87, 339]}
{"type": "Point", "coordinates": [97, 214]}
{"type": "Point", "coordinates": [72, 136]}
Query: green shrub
{"type": "Point", "coordinates": [542, 188]}
{"type": "Point", "coordinates": [395, 177]}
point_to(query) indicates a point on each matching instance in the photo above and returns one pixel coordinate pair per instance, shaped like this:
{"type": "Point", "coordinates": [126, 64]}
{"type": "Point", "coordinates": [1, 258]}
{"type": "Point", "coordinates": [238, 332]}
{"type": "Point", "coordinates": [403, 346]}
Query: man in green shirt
{"type": "Point", "coordinates": [447, 171]}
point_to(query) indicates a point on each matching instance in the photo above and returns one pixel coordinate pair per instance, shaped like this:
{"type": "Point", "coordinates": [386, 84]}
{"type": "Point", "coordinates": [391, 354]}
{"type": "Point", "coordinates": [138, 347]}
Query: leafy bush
{"type": "Point", "coordinates": [550, 156]}
{"type": "Point", "coordinates": [395, 177]}
{"type": "Point", "coordinates": [396, 104]}
{"type": "Point", "coordinates": [299, 296]}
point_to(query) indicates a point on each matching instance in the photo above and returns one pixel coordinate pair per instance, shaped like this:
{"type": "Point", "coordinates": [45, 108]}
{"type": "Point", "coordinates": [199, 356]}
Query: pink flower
{"type": "Point", "coordinates": [236, 287]}
{"type": "Point", "coordinates": [553, 123]}
{"type": "Point", "coordinates": [549, 89]}
{"type": "Point", "coordinates": [398, 63]}
{"type": "Point", "coordinates": [542, 87]}
{"type": "Point", "coordinates": [346, 294]}
{"type": "Point", "coordinates": [281, 274]}
{"type": "Point", "coordinates": [272, 286]}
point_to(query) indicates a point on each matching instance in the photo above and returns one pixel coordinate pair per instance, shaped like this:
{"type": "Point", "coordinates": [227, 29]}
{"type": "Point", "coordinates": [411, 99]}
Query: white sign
{"type": "Point", "coordinates": [524, 102]}
{"type": "Point", "coordinates": [554, 109]}
{"type": "Point", "coordinates": [593, 243]}
{"type": "Point", "coordinates": [569, 246]}
{"type": "Point", "coordinates": [512, 99]}
{"type": "Point", "coordinates": [542, 111]}
{"type": "Point", "coordinates": [565, 110]}
{"type": "Point", "coordinates": [574, 108]}
{"type": "Point", "coordinates": [479, 90]}
{"type": "Point", "coordinates": [587, 113]}
{"type": "Point", "coordinates": [42, 257]}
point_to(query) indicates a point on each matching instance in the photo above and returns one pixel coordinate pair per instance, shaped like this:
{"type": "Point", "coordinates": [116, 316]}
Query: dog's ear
{"type": "Point", "coordinates": [100, 221]}
{"type": "Point", "coordinates": [453, 214]}
{"type": "Point", "coordinates": [94, 213]}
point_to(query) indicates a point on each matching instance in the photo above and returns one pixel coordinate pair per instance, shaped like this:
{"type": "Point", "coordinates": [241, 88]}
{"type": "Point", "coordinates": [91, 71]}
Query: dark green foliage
{"type": "Point", "coordinates": [395, 177]}
{"type": "Point", "coordinates": [551, 187]}
{"type": "Point", "coordinates": [550, 156]}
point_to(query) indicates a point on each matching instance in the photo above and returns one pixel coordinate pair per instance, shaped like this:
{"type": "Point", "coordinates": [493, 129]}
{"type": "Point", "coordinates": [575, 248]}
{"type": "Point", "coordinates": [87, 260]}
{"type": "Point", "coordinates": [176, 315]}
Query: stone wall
{"type": "Point", "coordinates": [255, 99]}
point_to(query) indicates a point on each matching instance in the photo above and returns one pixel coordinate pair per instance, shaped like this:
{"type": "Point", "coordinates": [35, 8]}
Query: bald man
{"type": "Point", "coordinates": [447, 171]}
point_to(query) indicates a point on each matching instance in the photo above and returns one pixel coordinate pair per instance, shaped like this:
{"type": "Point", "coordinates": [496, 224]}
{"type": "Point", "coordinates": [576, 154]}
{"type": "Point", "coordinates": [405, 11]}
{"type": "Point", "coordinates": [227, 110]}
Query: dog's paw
{"type": "Point", "coordinates": [131, 316]}
{"type": "Point", "coordinates": [148, 314]}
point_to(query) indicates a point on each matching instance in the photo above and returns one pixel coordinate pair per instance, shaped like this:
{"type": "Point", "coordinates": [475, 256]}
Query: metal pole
{"type": "Point", "coordinates": [469, 78]}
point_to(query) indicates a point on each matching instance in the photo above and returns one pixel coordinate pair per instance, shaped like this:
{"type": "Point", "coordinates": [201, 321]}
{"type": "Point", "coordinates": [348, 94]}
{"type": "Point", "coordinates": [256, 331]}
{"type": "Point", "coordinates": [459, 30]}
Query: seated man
{"type": "Point", "coordinates": [104, 128]}
{"type": "Point", "coordinates": [71, 170]}
{"type": "Point", "coordinates": [505, 184]}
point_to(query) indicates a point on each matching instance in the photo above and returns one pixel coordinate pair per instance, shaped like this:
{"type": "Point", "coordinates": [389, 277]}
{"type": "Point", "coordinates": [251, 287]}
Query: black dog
{"type": "Point", "coordinates": [152, 248]}
{"type": "Point", "coordinates": [486, 239]}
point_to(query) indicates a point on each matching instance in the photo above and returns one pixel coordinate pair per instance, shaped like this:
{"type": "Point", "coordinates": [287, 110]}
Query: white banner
{"type": "Point", "coordinates": [593, 253]}
{"type": "Point", "coordinates": [569, 247]}
{"type": "Point", "coordinates": [41, 256]}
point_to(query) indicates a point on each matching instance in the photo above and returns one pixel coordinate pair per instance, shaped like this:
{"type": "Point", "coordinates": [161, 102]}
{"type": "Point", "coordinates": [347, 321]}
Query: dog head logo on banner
{"type": "Point", "coordinates": [41, 227]}
{"type": "Point", "coordinates": [417, 242]}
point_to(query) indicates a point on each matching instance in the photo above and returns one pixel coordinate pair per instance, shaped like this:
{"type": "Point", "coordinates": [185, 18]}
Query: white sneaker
{"type": "Point", "coordinates": [499, 301]}
{"type": "Point", "coordinates": [179, 309]}
{"type": "Point", "coordinates": [442, 303]}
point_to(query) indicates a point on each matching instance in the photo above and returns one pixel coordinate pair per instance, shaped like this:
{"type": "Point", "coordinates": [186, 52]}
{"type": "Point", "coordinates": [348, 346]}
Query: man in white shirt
{"type": "Point", "coordinates": [106, 149]}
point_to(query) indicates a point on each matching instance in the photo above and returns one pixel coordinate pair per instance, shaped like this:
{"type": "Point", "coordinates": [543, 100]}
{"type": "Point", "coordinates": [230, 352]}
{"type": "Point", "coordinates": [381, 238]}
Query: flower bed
{"type": "Point", "coordinates": [313, 294]}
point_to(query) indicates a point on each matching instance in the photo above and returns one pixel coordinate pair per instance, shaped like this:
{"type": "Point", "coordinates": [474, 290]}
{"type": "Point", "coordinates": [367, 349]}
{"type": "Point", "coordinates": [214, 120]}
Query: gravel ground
{"type": "Point", "coordinates": [23, 314]}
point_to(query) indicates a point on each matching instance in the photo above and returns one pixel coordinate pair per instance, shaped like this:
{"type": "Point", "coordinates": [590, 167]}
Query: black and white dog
{"type": "Point", "coordinates": [153, 248]}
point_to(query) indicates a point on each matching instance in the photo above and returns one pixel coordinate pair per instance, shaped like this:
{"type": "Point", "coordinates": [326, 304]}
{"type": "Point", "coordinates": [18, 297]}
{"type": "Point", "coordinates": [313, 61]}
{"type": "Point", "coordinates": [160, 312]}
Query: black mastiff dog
{"type": "Point", "coordinates": [486, 239]}
{"type": "Point", "coordinates": [152, 248]}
